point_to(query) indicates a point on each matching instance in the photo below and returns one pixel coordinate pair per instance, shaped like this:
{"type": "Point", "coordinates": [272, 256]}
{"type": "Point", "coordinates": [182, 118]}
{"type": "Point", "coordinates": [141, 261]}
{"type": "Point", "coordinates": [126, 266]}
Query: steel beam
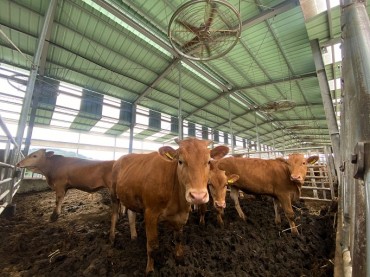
{"type": "Point", "coordinates": [34, 71]}
{"type": "Point", "coordinates": [270, 13]}
{"type": "Point", "coordinates": [327, 101]}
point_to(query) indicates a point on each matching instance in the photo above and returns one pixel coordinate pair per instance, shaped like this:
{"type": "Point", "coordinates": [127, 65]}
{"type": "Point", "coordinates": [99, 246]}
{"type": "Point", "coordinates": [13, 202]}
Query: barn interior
{"type": "Point", "coordinates": [264, 77]}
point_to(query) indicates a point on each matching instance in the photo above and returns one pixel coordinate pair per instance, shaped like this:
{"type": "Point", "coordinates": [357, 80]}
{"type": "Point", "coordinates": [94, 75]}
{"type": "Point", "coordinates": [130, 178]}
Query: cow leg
{"type": "Point", "coordinates": [122, 209]}
{"type": "Point", "coordinates": [115, 209]}
{"type": "Point", "coordinates": [179, 249]}
{"type": "Point", "coordinates": [132, 222]}
{"type": "Point", "coordinates": [202, 211]}
{"type": "Point", "coordinates": [152, 244]}
{"type": "Point", "coordinates": [59, 193]}
{"type": "Point", "coordinates": [234, 194]}
{"type": "Point", "coordinates": [277, 211]}
{"type": "Point", "coordinates": [220, 213]}
{"type": "Point", "coordinates": [286, 204]}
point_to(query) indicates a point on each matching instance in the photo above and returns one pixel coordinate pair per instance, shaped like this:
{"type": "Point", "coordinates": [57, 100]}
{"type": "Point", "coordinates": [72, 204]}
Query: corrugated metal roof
{"type": "Point", "coordinates": [121, 49]}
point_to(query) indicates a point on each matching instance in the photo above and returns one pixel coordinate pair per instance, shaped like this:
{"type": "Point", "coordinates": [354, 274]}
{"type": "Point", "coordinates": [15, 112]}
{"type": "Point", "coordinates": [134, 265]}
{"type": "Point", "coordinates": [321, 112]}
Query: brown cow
{"type": "Point", "coordinates": [280, 178]}
{"type": "Point", "coordinates": [217, 185]}
{"type": "Point", "coordinates": [162, 189]}
{"type": "Point", "coordinates": [63, 173]}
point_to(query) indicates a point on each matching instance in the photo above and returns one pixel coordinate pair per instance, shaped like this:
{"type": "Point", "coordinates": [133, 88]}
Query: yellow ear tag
{"type": "Point", "coordinates": [169, 156]}
{"type": "Point", "coordinates": [230, 181]}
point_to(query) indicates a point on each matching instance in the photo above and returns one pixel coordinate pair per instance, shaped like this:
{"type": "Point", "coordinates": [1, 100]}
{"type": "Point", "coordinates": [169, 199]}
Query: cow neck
{"type": "Point", "coordinates": [299, 188]}
{"type": "Point", "coordinates": [51, 165]}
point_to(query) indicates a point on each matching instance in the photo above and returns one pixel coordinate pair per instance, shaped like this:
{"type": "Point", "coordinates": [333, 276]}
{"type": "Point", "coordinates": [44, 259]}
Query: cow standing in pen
{"type": "Point", "coordinates": [162, 189]}
{"type": "Point", "coordinates": [64, 173]}
{"type": "Point", "coordinates": [280, 178]}
{"type": "Point", "coordinates": [217, 186]}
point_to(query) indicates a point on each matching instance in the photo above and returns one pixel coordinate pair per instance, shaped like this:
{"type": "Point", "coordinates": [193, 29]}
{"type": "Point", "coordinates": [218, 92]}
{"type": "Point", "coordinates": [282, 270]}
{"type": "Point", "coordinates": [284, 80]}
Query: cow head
{"type": "Point", "coordinates": [297, 164]}
{"type": "Point", "coordinates": [193, 159]}
{"type": "Point", "coordinates": [35, 160]}
{"type": "Point", "coordinates": [218, 182]}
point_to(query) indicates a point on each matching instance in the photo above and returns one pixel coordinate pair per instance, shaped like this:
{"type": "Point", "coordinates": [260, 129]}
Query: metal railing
{"type": "Point", "coordinates": [10, 177]}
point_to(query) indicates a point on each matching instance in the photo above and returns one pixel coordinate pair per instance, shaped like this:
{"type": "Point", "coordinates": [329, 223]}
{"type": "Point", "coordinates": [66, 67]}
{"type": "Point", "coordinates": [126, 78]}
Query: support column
{"type": "Point", "coordinates": [356, 106]}
{"type": "Point", "coordinates": [132, 126]}
{"type": "Point", "coordinates": [230, 126]}
{"type": "Point", "coordinates": [181, 136]}
{"type": "Point", "coordinates": [33, 74]}
{"type": "Point", "coordinates": [328, 102]}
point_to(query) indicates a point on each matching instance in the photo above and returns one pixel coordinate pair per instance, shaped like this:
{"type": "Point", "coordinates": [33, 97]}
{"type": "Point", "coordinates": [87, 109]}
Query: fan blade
{"type": "Point", "coordinates": [191, 43]}
{"type": "Point", "coordinates": [226, 32]}
{"type": "Point", "coordinates": [211, 15]}
{"type": "Point", "coordinates": [188, 26]}
{"type": "Point", "coordinates": [208, 49]}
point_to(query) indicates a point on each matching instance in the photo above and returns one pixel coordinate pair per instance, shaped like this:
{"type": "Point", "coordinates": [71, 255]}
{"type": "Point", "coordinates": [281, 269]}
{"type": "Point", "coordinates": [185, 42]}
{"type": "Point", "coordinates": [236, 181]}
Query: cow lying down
{"type": "Point", "coordinates": [280, 178]}
{"type": "Point", "coordinates": [63, 173]}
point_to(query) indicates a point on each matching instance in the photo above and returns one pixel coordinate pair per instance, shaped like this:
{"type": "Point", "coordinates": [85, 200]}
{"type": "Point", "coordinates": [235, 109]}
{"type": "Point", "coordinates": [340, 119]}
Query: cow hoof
{"type": "Point", "coordinates": [54, 217]}
{"type": "Point", "coordinates": [111, 241]}
{"type": "Point", "coordinates": [151, 274]}
{"type": "Point", "coordinates": [295, 234]}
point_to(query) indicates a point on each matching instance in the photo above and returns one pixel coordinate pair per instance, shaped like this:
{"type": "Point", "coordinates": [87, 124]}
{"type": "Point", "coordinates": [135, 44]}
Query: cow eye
{"type": "Point", "coordinates": [209, 162]}
{"type": "Point", "coordinates": [180, 162]}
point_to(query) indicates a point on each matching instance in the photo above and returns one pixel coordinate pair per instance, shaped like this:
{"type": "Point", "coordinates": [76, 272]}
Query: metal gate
{"type": "Point", "coordinates": [9, 179]}
{"type": "Point", "coordinates": [319, 183]}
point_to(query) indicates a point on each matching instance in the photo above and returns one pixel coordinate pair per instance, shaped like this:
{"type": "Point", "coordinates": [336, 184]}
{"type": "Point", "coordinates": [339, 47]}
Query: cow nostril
{"type": "Point", "coordinates": [198, 197]}
{"type": "Point", "coordinates": [220, 204]}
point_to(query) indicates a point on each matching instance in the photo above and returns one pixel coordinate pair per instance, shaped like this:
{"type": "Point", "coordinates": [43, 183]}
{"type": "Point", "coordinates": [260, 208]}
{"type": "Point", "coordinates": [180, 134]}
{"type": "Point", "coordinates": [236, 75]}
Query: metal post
{"type": "Point", "coordinates": [33, 74]}
{"type": "Point", "coordinates": [356, 86]}
{"type": "Point", "coordinates": [327, 101]}
{"type": "Point", "coordinates": [367, 202]}
{"type": "Point", "coordinates": [181, 135]}
{"type": "Point", "coordinates": [230, 125]}
{"type": "Point", "coordinates": [132, 126]}
{"type": "Point", "coordinates": [257, 135]}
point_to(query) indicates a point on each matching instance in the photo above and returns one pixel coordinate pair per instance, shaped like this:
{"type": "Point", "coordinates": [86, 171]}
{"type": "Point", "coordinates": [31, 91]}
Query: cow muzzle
{"type": "Point", "coordinates": [297, 179]}
{"type": "Point", "coordinates": [197, 197]}
{"type": "Point", "coordinates": [220, 204]}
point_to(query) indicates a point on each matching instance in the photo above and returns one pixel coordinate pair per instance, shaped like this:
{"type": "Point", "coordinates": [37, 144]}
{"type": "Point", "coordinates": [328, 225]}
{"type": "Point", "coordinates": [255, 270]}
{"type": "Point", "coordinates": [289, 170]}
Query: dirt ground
{"type": "Point", "coordinates": [77, 244]}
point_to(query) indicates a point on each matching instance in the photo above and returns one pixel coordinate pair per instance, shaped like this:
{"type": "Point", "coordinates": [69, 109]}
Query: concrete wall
{"type": "Point", "coordinates": [33, 185]}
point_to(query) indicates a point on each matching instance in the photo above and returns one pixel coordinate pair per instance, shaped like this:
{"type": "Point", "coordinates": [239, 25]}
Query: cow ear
{"type": "Point", "coordinates": [312, 159]}
{"type": "Point", "coordinates": [219, 152]}
{"type": "Point", "coordinates": [167, 152]}
{"type": "Point", "coordinates": [49, 154]}
{"type": "Point", "coordinates": [232, 179]}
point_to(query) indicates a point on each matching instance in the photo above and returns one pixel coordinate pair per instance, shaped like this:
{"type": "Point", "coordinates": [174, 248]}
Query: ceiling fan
{"type": "Point", "coordinates": [204, 29]}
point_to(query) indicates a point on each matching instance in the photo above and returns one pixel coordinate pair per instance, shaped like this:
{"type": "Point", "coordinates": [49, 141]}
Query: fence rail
{"type": "Point", "coordinates": [9, 177]}
{"type": "Point", "coordinates": [319, 183]}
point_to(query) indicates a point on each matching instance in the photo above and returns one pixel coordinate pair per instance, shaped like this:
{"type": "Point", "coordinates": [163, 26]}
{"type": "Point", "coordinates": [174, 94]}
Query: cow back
{"type": "Point", "coordinates": [144, 180]}
{"type": "Point", "coordinates": [257, 176]}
